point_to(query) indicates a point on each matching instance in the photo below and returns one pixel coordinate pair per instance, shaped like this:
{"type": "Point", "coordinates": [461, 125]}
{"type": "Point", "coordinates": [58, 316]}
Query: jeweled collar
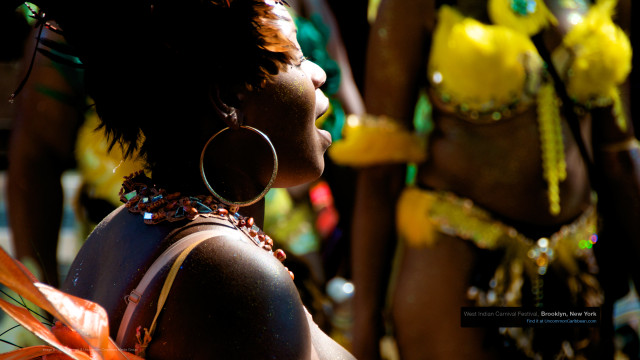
{"type": "Point", "coordinates": [141, 196]}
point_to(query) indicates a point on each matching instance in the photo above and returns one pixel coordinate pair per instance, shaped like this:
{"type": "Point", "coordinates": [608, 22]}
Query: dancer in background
{"type": "Point", "coordinates": [529, 119]}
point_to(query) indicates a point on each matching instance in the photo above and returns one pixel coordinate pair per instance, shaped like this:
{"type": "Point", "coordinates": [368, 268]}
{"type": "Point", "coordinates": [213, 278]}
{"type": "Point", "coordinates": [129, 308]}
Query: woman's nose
{"type": "Point", "coordinates": [318, 76]}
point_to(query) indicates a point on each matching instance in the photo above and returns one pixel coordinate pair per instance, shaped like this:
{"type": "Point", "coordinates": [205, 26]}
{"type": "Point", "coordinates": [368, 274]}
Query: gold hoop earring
{"type": "Point", "coordinates": [236, 204]}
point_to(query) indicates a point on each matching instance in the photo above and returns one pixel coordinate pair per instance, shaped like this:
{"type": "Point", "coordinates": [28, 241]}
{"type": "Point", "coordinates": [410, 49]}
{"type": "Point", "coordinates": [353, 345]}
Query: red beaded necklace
{"type": "Point", "coordinates": [141, 196]}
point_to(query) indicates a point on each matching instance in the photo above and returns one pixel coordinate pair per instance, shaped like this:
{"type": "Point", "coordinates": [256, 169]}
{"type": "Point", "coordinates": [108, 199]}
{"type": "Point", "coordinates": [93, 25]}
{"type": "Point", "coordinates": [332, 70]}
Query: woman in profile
{"type": "Point", "coordinates": [221, 104]}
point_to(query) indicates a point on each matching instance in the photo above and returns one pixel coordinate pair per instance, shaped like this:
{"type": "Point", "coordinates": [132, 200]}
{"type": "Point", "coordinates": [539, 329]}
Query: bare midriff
{"type": "Point", "coordinates": [499, 167]}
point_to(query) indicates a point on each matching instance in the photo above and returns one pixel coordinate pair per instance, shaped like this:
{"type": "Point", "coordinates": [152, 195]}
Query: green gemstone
{"type": "Point", "coordinates": [130, 195]}
{"type": "Point", "coordinates": [524, 7]}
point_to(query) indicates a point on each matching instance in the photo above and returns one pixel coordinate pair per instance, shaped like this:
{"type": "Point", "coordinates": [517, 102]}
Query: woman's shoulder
{"type": "Point", "coordinates": [236, 300]}
{"type": "Point", "coordinates": [233, 298]}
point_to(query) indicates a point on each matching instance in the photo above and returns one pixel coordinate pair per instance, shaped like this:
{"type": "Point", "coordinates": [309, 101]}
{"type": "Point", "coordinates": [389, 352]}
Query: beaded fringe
{"type": "Point", "coordinates": [554, 165]}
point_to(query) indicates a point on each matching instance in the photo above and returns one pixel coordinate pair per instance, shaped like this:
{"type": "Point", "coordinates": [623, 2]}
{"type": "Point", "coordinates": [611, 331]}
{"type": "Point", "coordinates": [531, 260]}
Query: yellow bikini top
{"type": "Point", "coordinates": [485, 72]}
{"type": "Point", "coordinates": [489, 70]}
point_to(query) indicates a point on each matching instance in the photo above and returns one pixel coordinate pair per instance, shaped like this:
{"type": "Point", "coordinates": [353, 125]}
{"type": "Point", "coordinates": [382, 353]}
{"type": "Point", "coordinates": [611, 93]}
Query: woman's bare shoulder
{"type": "Point", "coordinates": [235, 300]}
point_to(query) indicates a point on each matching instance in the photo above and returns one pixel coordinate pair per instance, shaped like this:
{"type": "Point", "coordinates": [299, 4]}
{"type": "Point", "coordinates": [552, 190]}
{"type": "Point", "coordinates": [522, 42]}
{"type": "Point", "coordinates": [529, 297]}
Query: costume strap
{"type": "Point", "coordinates": [177, 253]}
{"type": "Point", "coordinates": [566, 105]}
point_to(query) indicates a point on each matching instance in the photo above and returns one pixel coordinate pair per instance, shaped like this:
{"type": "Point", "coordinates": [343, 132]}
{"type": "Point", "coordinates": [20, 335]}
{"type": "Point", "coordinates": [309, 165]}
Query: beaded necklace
{"type": "Point", "coordinates": [141, 196]}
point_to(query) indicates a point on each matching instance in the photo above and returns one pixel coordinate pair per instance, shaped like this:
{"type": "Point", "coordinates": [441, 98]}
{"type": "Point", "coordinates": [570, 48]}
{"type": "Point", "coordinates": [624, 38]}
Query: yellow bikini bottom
{"type": "Point", "coordinates": [421, 214]}
{"type": "Point", "coordinates": [566, 254]}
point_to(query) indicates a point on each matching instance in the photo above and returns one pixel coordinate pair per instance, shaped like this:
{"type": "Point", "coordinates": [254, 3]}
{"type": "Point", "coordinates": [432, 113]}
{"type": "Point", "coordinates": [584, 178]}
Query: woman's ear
{"type": "Point", "coordinates": [231, 114]}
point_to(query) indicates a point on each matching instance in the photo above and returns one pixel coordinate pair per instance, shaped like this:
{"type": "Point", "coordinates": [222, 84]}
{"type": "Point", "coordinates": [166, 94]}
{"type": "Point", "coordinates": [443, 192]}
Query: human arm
{"type": "Point", "coordinates": [41, 148]}
{"type": "Point", "coordinates": [616, 179]}
{"type": "Point", "coordinates": [395, 62]}
{"type": "Point", "coordinates": [617, 165]}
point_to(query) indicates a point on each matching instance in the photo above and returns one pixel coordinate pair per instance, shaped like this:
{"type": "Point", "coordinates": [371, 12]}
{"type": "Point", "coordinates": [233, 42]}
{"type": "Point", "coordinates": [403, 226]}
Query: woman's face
{"type": "Point", "coordinates": [286, 109]}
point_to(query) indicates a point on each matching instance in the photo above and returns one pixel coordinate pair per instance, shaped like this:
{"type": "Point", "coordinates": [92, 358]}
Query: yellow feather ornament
{"type": "Point", "coordinates": [601, 54]}
{"type": "Point", "coordinates": [370, 140]}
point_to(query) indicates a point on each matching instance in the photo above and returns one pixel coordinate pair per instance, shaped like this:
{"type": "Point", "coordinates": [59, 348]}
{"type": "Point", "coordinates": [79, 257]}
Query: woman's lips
{"type": "Point", "coordinates": [326, 135]}
{"type": "Point", "coordinates": [322, 102]}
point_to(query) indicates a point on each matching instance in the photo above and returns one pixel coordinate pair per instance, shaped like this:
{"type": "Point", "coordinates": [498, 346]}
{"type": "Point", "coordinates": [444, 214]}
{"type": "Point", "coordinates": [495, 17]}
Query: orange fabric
{"type": "Point", "coordinates": [33, 352]}
{"type": "Point", "coordinates": [82, 332]}
{"type": "Point", "coordinates": [69, 337]}
{"type": "Point", "coordinates": [56, 356]}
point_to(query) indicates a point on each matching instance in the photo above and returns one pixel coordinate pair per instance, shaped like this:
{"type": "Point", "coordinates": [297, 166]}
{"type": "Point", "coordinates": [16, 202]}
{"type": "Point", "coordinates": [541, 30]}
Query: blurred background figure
{"type": "Point", "coordinates": [529, 116]}
{"type": "Point", "coordinates": [14, 31]}
{"type": "Point", "coordinates": [48, 113]}
{"type": "Point", "coordinates": [49, 137]}
{"type": "Point", "coordinates": [15, 36]}
{"type": "Point", "coordinates": [354, 20]}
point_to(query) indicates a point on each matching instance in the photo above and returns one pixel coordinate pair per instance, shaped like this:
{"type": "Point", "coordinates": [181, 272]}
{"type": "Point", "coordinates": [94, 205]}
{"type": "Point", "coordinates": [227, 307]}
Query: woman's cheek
{"type": "Point", "coordinates": [298, 93]}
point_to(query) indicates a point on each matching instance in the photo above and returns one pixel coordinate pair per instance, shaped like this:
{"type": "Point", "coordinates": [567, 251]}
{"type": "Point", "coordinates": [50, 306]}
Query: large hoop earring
{"type": "Point", "coordinates": [236, 204]}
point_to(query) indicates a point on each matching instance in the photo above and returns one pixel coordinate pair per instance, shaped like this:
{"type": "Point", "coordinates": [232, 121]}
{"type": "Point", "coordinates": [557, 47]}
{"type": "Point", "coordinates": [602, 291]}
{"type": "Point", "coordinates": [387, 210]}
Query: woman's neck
{"type": "Point", "coordinates": [179, 179]}
{"type": "Point", "coordinates": [189, 182]}
{"type": "Point", "coordinates": [256, 211]}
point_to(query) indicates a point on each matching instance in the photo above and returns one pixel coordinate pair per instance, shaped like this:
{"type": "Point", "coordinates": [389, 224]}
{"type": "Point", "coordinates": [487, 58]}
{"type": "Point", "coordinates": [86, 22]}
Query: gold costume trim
{"type": "Point", "coordinates": [422, 214]}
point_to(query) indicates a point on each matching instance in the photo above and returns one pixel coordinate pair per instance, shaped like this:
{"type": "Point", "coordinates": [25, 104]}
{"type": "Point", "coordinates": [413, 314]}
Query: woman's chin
{"type": "Point", "coordinates": [309, 173]}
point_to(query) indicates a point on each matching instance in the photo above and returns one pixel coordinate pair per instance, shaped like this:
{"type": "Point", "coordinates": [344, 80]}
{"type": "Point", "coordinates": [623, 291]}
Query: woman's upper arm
{"type": "Point", "coordinates": [396, 57]}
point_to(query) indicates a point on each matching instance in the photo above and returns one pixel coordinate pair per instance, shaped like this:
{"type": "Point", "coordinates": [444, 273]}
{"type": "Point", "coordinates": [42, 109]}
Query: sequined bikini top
{"type": "Point", "coordinates": [485, 72]}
